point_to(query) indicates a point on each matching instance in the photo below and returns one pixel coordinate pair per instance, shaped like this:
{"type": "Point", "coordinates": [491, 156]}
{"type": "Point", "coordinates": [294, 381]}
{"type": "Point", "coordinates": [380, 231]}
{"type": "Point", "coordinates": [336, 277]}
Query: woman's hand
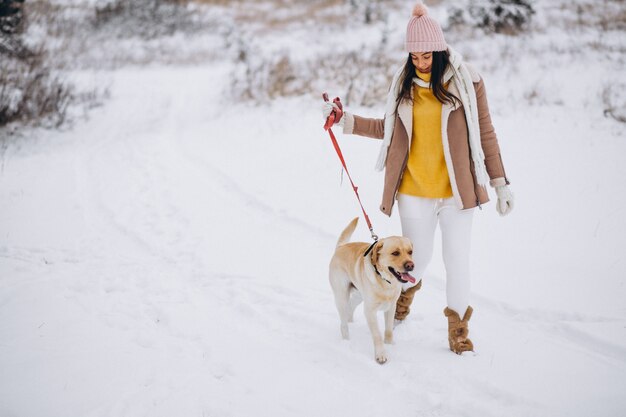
{"type": "Point", "coordinates": [328, 108]}
{"type": "Point", "coordinates": [505, 200]}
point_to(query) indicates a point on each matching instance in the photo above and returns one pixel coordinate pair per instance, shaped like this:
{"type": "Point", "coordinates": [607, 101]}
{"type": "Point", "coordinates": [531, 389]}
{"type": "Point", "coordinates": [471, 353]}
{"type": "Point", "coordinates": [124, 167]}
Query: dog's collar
{"type": "Point", "coordinates": [380, 275]}
{"type": "Point", "coordinates": [369, 249]}
{"type": "Point", "coordinates": [375, 269]}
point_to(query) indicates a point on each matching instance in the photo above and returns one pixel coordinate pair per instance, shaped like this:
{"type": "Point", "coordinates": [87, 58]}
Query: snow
{"type": "Point", "coordinates": [168, 256]}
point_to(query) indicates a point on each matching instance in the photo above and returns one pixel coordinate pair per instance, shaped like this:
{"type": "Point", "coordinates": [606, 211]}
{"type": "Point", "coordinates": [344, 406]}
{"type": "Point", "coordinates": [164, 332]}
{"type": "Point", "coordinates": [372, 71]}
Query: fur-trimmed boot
{"type": "Point", "coordinates": [405, 300]}
{"type": "Point", "coordinates": [458, 331]}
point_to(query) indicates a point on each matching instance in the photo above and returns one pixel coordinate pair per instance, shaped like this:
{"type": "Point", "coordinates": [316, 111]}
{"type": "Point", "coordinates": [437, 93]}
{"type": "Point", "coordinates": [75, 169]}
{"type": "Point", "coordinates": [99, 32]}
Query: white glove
{"type": "Point", "coordinates": [327, 108]}
{"type": "Point", "coordinates": [505, 200]}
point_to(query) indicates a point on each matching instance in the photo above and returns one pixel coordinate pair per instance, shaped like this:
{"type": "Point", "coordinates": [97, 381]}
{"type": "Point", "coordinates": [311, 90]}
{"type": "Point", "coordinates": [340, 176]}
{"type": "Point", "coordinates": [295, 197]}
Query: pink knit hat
{"type": "Point", "coordinates": [423, 33]}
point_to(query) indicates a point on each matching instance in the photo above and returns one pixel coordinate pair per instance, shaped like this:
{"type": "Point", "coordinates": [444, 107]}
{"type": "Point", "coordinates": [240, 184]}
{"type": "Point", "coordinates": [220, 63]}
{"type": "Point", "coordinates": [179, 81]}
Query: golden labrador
{"type": "Point", "coordinates": [375, 277]}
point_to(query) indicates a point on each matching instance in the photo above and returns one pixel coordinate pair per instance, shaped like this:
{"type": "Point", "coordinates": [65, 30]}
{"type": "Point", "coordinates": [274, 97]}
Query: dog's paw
{"type": "Point", "coordinates": [345, 333]}
{"type": "Point", "coordinates": [381, 357]}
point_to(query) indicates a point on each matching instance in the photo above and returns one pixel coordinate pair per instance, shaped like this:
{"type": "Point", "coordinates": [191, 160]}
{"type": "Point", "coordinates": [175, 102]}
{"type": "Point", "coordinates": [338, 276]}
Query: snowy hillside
{"type": "Point", "coordinates": [168, 256]}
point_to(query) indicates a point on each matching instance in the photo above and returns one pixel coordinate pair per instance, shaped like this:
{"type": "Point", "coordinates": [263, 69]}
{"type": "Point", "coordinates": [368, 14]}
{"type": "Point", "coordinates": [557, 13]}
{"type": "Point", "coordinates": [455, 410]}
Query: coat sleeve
{"type": "Point", "coordinates": [357, 125]}
{"type": "Point", "coordinates": [488, 139]}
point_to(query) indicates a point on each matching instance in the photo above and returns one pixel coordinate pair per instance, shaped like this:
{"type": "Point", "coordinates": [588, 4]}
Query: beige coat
{"type": "Point", "coordinates": [466, 192]}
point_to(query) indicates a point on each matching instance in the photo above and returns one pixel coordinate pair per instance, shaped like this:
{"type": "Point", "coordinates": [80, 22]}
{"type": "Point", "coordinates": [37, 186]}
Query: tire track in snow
{"type": "Point", "coordinates": [126, 142]}
{"type": "Point", "coordinates": [590, 345]}
{"type": "Point", "coordinates": [96, 163]}
{"type": "Point", "coordinates": [229, 184]}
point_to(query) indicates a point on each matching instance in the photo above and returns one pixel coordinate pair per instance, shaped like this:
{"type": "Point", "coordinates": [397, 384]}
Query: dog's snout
{"type": "Point", "coordinates": [409, 266]}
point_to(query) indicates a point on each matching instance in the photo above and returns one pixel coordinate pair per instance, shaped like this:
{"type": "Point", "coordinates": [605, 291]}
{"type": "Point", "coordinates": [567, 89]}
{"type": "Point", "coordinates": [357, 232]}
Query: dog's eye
{"type": "Point", "coordinates": [410, 252]}
{"type": "Point", "coordinates": [396, 253]}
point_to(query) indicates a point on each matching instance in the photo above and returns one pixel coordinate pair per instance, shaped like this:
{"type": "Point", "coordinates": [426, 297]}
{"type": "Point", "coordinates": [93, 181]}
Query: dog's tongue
{"type": "Point", "coordinates": [407, 277]}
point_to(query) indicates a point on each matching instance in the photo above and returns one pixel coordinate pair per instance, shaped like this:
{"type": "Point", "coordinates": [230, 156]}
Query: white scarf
{"type": "Point", "coordinates": [459, 74]}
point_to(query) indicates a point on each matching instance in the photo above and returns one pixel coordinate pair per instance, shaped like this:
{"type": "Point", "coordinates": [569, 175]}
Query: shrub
{"type": "Point", "coordinates": [29, 92]}
{"type": "Point", "coordinates": [371, 10]}
{"type": "Point", "coordinates": [360, 78]}
{"type": "Point", "coordinates": [364, 77]}
{"type": "Point", "coordinates": [614, 101]}
{"type": "Point", "coordinates": [147, 19]}
{"type": "Point", "coordinates": [11, 16]}
{"type": "Point", "coordinates": [259, 79]}
{"type": "Point", "coordinates": [500, 16]}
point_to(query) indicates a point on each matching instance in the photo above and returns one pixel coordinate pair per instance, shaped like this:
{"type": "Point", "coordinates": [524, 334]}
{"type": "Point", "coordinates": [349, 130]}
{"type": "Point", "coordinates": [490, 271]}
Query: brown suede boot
{"type": "Point", "coordinates": [458, 331]}
{"type": "Point", "coordinates": [405, 300]}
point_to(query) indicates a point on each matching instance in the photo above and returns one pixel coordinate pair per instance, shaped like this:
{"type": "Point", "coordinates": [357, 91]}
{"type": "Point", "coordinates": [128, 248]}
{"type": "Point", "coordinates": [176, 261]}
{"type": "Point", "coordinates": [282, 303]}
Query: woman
{"type": "Point", "coordinates": [439, 151]}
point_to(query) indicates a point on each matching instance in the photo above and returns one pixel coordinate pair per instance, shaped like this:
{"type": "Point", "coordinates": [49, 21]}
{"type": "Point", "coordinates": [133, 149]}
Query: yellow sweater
{"type": "Point", "coordinates": [426, 173]}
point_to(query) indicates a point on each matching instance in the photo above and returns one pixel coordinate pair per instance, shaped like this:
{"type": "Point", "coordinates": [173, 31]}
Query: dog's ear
{"type": "Point", "coordinates": [376, 252]}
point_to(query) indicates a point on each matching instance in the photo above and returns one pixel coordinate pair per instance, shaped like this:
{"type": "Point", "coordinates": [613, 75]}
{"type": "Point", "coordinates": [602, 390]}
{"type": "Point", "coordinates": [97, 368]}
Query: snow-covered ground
{"type": "Point", "coordinates": [168, 257]}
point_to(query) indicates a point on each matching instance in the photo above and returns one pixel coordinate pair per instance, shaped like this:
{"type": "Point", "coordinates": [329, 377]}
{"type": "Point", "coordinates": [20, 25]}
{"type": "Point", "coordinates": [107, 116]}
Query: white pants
{"type": "Point", "coordinates": [419, 217]}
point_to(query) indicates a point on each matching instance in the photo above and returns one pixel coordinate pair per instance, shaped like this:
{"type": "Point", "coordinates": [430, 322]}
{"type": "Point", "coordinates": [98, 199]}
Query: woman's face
{"type": "Point", "coordinates": [423, 61]}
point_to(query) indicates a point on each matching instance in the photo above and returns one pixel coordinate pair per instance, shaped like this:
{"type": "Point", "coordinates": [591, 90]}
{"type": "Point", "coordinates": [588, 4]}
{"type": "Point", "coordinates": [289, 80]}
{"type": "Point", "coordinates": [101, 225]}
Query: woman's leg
{"type": "Point", "coordinates": [456, 231]}
{"type": "Point", "coordinates": [419, 221]}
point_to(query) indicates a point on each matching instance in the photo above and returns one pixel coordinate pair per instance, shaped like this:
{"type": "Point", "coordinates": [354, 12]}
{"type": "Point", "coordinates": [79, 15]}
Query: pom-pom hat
{"type": "Point", "coordinates": [423, 33]}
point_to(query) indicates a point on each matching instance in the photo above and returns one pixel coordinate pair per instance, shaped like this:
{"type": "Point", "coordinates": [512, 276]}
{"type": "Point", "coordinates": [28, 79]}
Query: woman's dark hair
{"type": "Point", "coordinates": [441, 60]}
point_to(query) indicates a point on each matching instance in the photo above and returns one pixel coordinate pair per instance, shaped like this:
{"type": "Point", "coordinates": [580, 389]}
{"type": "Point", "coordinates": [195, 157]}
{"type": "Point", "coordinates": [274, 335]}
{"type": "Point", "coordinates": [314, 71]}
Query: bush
{"type": "Point", "coordinates": [364, 77]}
{"type": "Point", "coordinates": [614, 101]}
{"type": "Point", "coordinates": [29, 92]}
{"type": "Point", "coordinates": [11, 16]}
{"type": "Point", "coordinates": [146, 19]}
{"type": "Point", "coordinates": [371, 10]}
{"type": "Point", "coordinates": [258, 79]}
{"type": "Point", "coordinates": [500, 16]}
{"type": "Point", "coordinates": [360, 77]}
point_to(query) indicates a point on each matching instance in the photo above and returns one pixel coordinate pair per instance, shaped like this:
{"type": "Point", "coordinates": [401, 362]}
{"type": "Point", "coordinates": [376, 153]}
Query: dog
{"type": "Point", "coordinates": [375, 278]}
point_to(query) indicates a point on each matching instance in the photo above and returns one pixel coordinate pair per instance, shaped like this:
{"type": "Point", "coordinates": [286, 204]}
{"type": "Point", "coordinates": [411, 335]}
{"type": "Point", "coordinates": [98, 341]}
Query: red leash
{"type": "Point", "coordinates": [327, 126]}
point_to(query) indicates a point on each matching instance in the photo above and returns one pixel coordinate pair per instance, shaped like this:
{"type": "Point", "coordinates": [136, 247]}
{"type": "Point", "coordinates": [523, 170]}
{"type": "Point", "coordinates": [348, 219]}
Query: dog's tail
{"type": "Point", "coordinates": [347, 232]}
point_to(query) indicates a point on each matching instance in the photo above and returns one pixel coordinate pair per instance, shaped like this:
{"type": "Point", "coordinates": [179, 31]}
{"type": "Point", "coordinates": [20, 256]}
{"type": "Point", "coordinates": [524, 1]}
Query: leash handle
{"type": "Point", "coordinates": [327, 126]}
{"type": "Point", "coordinates": [331, 117]}
{"type": "Point", "coordinates": [335, 114]}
